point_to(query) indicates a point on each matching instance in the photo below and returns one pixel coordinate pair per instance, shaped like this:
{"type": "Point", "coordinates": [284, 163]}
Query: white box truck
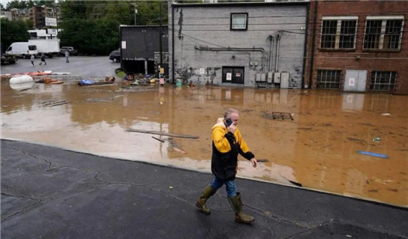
{"type": "Point", "coordinates": [50, 47]}
{"type": "Point", "coordinates": [22, 49]}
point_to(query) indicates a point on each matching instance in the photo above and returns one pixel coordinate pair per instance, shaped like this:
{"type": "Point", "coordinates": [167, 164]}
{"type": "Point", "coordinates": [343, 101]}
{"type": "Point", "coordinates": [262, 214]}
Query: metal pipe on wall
{"type": "Point", "coordinates": [172, 45]}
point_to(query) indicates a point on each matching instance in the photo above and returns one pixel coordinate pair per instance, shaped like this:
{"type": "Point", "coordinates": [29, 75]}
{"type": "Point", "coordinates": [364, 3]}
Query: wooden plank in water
{"type": "Point", "coordinates": [163, 133]}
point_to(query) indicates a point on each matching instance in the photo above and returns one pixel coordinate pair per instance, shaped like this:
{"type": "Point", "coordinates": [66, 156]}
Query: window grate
{"type": "Point", "coordinates": [383, 34]}
{"type": "Point", "coordinates": [338, 34]}
{"type": "Point", "coordinates": [383, 80]}
{"type": "Point", "coordinates": [328, 79]}
{"type": "Point", "coordinates": [392, 34]}
{"type": "Point", "coordinates": [329, 34]}
{"type": "Point", "coordinates": [347, 34]}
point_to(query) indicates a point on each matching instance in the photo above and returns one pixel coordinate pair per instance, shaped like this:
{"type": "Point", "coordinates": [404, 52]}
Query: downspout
{"type": "Point", "coordinates": [270, 37]}
{"type": "Point", "coordinates": [313, 45]}
{"type": "Point", "coordinates": [305, 50]}
{"type": "Point", "coordinates": [272, 58]}
{"type": "Point", "coordinates": [278, 38]}
{"type": "Point", "coordinates": [276, 53]}
{"type": "Point", "coordinates": [172, 44]}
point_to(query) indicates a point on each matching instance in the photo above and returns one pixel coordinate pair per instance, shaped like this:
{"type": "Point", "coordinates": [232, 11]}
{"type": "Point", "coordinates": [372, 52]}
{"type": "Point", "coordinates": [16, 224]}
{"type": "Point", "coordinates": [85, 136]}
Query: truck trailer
{"type": "Point", "coordinates": [50, 47]}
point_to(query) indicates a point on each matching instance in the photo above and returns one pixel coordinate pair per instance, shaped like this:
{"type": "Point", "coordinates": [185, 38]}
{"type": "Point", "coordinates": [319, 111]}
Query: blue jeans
{"type": "Point", "coordinates": [217, 183]}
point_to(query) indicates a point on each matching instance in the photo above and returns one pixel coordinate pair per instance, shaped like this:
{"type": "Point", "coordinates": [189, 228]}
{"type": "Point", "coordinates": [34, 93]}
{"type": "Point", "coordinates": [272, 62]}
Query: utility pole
{"type": "Point", "coordinates": [134, 15]}
{"type": "Point", "coordinates": [160, 37]}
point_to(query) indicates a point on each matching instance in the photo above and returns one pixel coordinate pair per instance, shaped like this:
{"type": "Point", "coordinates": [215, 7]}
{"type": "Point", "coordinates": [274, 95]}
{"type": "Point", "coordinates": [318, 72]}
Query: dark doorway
{"type": "Point", "coordinates": [134, 66]}
{"type": "Point", "coordinates": [150, 68]}
{"type": "Point", "coordinates": [233, 75]}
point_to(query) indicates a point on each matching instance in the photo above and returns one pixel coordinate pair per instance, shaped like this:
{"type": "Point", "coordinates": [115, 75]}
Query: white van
{"type": "Point", "coordinates": [22, 49]}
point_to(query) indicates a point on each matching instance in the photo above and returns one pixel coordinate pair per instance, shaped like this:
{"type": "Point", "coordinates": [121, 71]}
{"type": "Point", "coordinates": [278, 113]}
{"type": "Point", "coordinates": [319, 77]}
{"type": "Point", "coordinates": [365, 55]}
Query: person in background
{"type": "Point", "coordinates": [43, 59]}
{"type": "Point", "coordinates": [67, 56]}
{"type": "Point", "coordinates": [227, 142]}
{"type": "Point", "coordinates": [32, 59]}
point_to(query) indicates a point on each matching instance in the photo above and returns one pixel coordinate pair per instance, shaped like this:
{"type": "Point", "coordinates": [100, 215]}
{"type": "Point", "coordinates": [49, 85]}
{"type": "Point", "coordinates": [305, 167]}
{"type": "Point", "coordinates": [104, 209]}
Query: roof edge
{"type": "Point", "coordinates": [229, 4]}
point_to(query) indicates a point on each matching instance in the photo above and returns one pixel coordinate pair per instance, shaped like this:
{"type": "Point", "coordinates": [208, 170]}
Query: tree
{"type": "Point", "coordinates": [91, 36]}
{"type": "Point", "coordinates": [118, 11]}
{"type": "Point", "coordinates": [16, 4]}
{"type": "Point", "coordinates": [149, 13]}
{"type": "Point", "coordinates": [14, 31]}
{"type": "Point", "coordinates": [73, 10]}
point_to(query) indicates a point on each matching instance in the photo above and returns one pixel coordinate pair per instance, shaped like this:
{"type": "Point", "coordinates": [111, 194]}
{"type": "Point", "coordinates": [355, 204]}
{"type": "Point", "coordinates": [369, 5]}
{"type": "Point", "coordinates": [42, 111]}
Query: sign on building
{"type": "Point", "coordinates": [50, 21]}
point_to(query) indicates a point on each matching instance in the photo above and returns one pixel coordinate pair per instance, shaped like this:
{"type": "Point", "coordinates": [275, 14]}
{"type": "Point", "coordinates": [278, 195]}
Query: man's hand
{"type": "Point", "coordinates": [254, 162]}
{"type": "Point", "coordinates": [232, 128]}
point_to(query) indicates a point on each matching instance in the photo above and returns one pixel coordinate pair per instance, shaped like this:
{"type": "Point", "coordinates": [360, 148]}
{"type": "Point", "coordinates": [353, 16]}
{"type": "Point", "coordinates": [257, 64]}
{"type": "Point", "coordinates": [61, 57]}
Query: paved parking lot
{"type": "Point", "coordinates": [78, 66]}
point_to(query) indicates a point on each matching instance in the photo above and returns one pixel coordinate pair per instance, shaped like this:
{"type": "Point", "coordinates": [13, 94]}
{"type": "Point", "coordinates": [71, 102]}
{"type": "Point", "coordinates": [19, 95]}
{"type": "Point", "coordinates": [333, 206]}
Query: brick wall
{"type": "Point", "coordinates": [370, 61]}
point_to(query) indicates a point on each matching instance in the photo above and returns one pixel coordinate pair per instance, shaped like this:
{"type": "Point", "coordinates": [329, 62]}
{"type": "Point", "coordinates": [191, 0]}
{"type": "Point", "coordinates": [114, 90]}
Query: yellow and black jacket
{"type": "Point", "coordinates": [226, 147]}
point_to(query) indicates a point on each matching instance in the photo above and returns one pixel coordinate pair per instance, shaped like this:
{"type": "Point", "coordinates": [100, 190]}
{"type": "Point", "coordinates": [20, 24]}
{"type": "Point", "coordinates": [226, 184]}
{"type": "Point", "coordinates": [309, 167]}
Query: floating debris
{"type": "Point", "coordinates": [373, 154]}
{"type": "Point", "coordinates": [278, 115]}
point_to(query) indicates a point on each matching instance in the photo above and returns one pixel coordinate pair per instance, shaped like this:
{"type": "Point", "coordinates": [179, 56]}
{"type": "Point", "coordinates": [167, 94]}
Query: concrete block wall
{"type": "Point", "coordinates": [198, 27]}
{"type": "Point", "coordinates": [368, 60]}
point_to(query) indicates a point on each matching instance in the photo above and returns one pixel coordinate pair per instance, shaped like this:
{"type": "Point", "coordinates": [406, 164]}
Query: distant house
{"type": "Point", "coordinates": [238, 43]}
{"type": "Point", "coordinates": [140, 49]}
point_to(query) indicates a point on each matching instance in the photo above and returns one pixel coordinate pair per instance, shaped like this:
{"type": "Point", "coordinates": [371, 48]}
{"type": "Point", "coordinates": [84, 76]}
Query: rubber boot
{"type": "Point", "coordinates": [205, 195]}
{"type": "Point", "coordinates": [236, 205]}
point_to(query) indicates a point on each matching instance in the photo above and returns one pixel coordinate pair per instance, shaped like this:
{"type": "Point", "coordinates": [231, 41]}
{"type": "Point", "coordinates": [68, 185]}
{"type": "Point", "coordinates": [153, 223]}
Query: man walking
{"type": "Point", "coordinates": [227, 142]}
{"type": "Point", "coordinates": [43, 59]}
{"type": "Point", "coordinates": [67, 56]}
{"type": "Point", "coordinates": [32, 59]}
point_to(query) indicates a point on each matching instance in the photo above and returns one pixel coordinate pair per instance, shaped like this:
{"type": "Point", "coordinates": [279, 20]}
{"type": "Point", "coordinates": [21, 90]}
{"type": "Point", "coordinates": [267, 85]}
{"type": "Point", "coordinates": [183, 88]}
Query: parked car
{"type": "Point", "coordinates": [70, 49]}
{"type": "Point", "coordinates": [115, 55]}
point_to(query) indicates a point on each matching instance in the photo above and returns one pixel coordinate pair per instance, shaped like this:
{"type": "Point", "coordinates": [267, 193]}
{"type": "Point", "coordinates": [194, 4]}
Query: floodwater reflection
{"type": "Point", "coordinates": [317, 149]}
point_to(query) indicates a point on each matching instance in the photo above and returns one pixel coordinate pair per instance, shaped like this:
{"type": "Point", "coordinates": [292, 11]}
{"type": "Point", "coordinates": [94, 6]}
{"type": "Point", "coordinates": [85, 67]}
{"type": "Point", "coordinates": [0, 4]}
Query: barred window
{"type": "Point", "coordinates": [338, 33]}
{"type": "Point", "coordinates": [383, 80]}
{"type": "Point", "coordinates": [328, 79]}
{"type": "Point", "coordinates": [384, 33]}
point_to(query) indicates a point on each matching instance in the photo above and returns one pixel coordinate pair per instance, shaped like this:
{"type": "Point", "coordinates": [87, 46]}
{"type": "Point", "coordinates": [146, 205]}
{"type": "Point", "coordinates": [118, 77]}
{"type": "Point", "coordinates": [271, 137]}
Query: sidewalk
{"type": "Point", "coordinates": [53, 193]}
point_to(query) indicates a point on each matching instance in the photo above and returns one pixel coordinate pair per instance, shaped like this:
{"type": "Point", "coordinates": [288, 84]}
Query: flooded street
{"type": "Point", "coordinates": [318, 148]}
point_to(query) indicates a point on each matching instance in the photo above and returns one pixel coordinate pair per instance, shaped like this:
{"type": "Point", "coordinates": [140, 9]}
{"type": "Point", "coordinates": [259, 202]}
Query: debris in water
{"type": "Point", "coordinates": [373, 154]}
{"type": "Point", "coordinates": [163, 133]}
{"type": "Point", "coordinates": [179, 150]}
{"type": "Point", "coordinates": [158, 139]}
{"type": "Point", "coordinates": [386, 114]}
{"type": "Point", "coordinates": [377, 139]}
{"type": "Point", "coordinates": [354, 139]}
{"type": "Point", "coordinates": [292, 182]}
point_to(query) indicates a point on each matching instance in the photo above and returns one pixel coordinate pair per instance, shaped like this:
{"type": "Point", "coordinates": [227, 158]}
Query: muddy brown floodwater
{"type": "Point", "coordinates": [318, 148]}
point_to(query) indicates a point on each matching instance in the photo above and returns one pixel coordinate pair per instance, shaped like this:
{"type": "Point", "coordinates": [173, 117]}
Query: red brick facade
{"type": "Point", "coordinates": [356, 59]}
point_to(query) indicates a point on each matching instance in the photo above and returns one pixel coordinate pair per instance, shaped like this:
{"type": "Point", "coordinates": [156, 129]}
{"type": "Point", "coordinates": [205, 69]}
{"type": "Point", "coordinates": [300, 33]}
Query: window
{"type": "Point", "coordinates": [383, 80]}
{"type": "Point", "coordinates": [328, 79]}
{"type": "Point", "coordinates": [383, 33]}
{"type": "Point", "coordinates": [239, 21]}
{"type": "Point", "coordinates": [338, 33]}
{"type": "Point", "coordinates": [32, 47]}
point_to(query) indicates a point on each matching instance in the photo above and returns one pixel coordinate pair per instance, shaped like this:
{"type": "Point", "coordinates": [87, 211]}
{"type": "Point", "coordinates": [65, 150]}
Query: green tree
{"type": "Point", "coordinates": [149, 13]}
{"type": "Point", "coordinates": [14, 31]}
{"type": "Point", "coordinates": [91, 36]}
{"type": "Point", "coordinates": [118, 11]}
{"type": "Point", "coordinates": [15, 4]}
{"type": "Point", "coordinates": [73, 10]}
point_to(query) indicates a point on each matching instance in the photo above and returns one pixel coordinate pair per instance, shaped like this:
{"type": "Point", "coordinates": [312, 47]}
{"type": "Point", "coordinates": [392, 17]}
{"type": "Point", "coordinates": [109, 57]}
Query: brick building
{"type": "Point", "coordinates": [357, 46]}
